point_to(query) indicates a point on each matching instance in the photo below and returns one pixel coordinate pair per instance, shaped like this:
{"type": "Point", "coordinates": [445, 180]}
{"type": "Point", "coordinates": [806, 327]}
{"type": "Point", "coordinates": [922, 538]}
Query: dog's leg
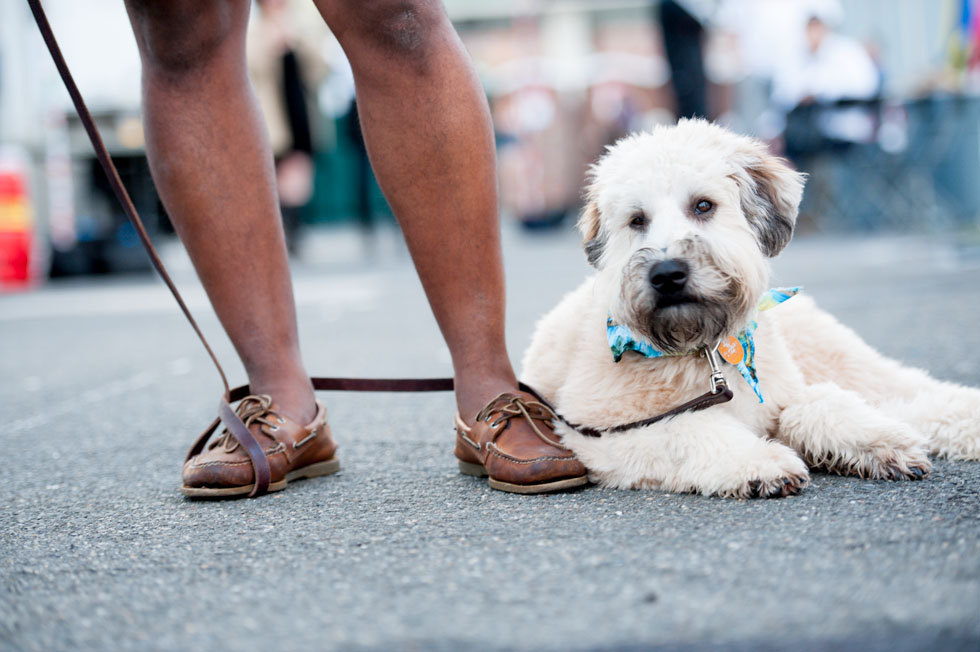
{"type": "Point", "coordinates": [948, 414]}
{"type": "Point", "coordinates": [837, 430]}
{"type": "Point", "coordinates": [827, 351]}
{"type": "Point", "coordinates": [709, 452]}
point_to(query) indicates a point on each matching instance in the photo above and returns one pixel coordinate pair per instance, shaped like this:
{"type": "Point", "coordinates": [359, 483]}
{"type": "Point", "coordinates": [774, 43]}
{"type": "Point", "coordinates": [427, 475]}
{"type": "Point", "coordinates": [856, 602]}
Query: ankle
{"type": "Point", "coordinates": [294, 398]}
{"type": "Point", "coordinates": [474, 391]}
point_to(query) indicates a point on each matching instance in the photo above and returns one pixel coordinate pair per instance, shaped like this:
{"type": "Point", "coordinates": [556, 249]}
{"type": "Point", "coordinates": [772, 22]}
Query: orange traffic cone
{"type": "Point", "coordinates": [16, 230]}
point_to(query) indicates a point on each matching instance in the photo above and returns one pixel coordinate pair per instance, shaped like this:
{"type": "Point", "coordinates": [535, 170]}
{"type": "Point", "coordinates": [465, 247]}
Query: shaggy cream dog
{"type": "Point", "coordinates": [680, 224]}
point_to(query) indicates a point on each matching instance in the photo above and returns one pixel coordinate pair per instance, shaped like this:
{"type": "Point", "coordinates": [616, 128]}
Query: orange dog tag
{"type": "Point", "coordinates": [731, 350]}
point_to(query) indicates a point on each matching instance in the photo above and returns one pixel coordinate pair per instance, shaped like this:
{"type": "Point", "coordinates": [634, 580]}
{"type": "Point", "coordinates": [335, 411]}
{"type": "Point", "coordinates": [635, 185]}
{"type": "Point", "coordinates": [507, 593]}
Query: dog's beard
{"type": "Point", "coordinates": [711, 306]}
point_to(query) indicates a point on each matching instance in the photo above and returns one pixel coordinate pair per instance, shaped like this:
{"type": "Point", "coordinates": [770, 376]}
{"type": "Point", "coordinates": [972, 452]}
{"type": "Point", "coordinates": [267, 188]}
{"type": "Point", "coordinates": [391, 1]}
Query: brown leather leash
{"type": "Point", "coordinates": [720, 392]}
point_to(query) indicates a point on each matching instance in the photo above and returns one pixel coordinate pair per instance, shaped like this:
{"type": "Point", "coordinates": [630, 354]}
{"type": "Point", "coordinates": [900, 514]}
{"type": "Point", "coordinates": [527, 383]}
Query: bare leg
{"type": "Point", "coordinates": [428, 132]}
{"type": "Point", "coordinates": [213, 167]}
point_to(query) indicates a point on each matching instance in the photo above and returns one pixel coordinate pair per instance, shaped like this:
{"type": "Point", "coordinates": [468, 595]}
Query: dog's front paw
{"type": "Point", "coordinates": [887, 451]}
{"type": "Point", "coordinates": [780, 473]}
{"type": "Point", "coordinates": [837, 431]}
{"type": "Point", "coordinates": [952, 421]}
{"type": "Point", "coordinates": [777, 488]}
{"type": "Point", "coordinates": [891, 464]}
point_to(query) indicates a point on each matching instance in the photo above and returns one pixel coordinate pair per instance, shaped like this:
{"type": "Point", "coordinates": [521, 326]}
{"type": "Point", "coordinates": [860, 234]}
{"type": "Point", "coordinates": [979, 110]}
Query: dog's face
{"type": "Point", "coordinates": [681, 222]}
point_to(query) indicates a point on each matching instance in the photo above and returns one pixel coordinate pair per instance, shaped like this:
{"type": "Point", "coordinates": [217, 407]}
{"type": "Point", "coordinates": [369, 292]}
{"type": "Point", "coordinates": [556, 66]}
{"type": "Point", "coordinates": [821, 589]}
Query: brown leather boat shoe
{"type": "Point", "coordinates": [293, 451]}
{"type": "Point", "coordinates": [512, 442]}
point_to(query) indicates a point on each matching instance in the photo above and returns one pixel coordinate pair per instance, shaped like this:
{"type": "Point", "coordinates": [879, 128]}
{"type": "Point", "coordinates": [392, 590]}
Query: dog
{"type": "Point", "coordinates": [680, 224]}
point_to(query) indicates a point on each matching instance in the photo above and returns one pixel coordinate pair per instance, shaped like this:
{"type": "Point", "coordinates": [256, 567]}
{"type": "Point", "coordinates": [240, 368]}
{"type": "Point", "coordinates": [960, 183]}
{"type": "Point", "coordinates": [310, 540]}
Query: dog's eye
{"type": "Point", "coordinates": [639, 220]}
{"type": "Point", "coordinates": [703, 206]}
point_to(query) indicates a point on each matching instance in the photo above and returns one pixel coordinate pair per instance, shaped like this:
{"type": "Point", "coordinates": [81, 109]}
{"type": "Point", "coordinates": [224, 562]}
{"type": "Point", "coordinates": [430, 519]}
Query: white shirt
{"type": "Point", "coordinates": [840, 69]}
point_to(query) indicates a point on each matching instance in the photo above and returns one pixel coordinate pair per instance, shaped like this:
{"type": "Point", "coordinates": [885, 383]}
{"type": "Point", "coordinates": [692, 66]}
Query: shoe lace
{"type": "Point", "coordinates": [252, 409]}
{"type": "Point", "coordinates": [507, 406]}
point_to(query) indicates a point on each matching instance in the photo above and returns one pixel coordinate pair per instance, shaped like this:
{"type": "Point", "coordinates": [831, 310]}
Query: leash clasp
{"type": "Point", "coordinates": [718, 382]}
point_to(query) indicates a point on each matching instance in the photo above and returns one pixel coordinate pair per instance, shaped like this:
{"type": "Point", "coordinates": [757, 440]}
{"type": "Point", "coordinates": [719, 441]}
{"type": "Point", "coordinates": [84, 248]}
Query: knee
{"type": "Point", "coordinates": [403, 29]}
{"type": "Point", "coordinates": [179, 36]}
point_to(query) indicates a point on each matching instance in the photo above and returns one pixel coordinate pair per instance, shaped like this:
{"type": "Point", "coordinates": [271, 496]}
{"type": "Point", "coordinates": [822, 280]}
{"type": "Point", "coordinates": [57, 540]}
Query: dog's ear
{"type": "Point", "coordinates": [591, 229]}
{"type": "Point", "coordinates": [770, 194]}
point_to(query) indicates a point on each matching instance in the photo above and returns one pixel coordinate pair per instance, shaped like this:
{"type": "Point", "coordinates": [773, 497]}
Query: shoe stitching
{"type": "Point", "coordinates": [278, 448]}
{"type": "Point", "coordinates": [218, 463]}
{"type": "Point", "coordinates": [492, 448]}
{"type": "Point", "coordinates": [272, 450]}
{"type": "Point", "coordinates": [469, 441]}
{"type": "Point", "coordinates": [313, 433]}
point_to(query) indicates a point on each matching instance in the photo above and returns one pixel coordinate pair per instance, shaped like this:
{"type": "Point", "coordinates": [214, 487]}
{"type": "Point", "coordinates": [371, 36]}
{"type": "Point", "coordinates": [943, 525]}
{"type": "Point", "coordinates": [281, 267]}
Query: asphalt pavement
{"type": "Point", "coordinates": [104, 388]}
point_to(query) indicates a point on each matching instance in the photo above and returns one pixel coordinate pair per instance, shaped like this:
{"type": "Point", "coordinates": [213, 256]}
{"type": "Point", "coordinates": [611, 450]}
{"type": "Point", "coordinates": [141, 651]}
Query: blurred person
{"type": "Point", "coordinates": [427, 130]}
{"type": "Point", "coordinates": [831, 68]}
{"type": "Point", "coordinates": [532, 179]}
{"type": "Point", "coordinates": [768, 33]}
{"type": "Point", "coordinates": [285, 62]}
{"type": "Point", "coordinates": [824, 97]}
{"type": "Point", "coordinates": [789, 55]}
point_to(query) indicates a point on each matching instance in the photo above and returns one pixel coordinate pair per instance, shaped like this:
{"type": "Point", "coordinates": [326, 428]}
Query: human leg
{"type": "Point", "coordinates": [428, 133]}
{"type": "Point", "coordinates": [213, 168]}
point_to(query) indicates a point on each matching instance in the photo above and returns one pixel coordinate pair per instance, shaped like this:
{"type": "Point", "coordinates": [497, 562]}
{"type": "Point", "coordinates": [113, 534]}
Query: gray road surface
{"type": "Point", "coordinates": [104, 388]}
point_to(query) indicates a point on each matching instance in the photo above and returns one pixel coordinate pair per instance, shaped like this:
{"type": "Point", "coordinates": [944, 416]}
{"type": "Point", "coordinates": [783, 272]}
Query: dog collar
{"type": "Point", "coordinates": [738, 350]}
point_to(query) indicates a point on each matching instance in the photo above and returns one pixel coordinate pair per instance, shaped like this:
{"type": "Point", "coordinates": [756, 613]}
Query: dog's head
{"type": "Point", "coordinates": [681, 222]}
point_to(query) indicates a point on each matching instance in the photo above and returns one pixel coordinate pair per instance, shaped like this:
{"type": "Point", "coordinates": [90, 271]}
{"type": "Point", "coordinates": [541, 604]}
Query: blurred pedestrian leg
{"type": "Point", "coordinates": [683, 33]}
{"type": "Point", "coordinates": [286, 64]}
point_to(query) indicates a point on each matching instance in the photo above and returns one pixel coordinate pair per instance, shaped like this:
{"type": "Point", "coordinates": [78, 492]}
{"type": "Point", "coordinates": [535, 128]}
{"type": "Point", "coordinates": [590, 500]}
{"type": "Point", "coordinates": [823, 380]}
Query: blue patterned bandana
{"type": "Point", "coordinates": [738, 350]}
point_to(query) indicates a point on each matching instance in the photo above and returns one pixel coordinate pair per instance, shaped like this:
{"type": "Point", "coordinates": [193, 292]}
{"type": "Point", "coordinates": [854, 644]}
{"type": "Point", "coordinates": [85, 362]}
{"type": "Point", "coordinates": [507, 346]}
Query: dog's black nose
{"type": "Point", "coordinates": [669, 276]}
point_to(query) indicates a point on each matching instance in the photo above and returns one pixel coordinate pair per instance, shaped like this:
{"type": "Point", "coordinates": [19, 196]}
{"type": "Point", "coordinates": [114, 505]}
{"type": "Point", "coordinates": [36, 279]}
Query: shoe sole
{"type": "Point", "coordinates": [328, 467]}
{"type": "Point", "coordinates": [477, 470]}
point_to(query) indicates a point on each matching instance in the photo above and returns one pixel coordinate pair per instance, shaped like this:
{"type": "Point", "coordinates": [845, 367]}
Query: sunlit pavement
{"type": "Point", "coordinates": [105, 387]}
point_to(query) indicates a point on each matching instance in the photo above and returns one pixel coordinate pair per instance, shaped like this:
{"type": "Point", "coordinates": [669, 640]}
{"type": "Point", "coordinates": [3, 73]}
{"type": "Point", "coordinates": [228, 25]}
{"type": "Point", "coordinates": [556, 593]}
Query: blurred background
{"type": "Point", "coordinates": [879, 100]}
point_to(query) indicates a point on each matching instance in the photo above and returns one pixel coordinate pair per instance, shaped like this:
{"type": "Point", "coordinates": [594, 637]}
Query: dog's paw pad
{"type": "Point", "coordinates": [912, 471]}
{"type": "Point", "coordinates": [895, 464]}
{"type": "Point", "coordinates": [777, 487]}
